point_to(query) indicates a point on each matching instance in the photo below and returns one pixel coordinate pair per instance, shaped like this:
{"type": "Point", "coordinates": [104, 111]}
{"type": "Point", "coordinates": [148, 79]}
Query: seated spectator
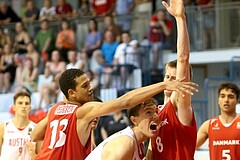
{"type": "Point", "coordinates": [63, 9]}
{"type": "Point", "coordinates": [160, 28]}
{"type": "Point", "coordinates": [66, 40]}
{"type": "Point", "coordinates": [74, 62]}
{"type": "Point", "coordinates": [7, 15]}
{"type": "Point", "coordinates": [83, 9]}
{"type": "Point", "coordinates": [7, 69]}
{"type": "Point", "coordinates": [123, 9]}
{"type": "Point", "coordinates": [31, 14]}
{"type": "Point", "coordinates": [113, 123]}
{"type": "Point", "coordinates": [109, 24]}
{"type": "Point", "coordinates": [26, 77]}
{"type": "Point", "coordinates": [126, 58]}
{"type": "Point", "coordinates": [93, 38]}
{"type": "Point", "coordinates": [33, 54]}
{"type": "Point", "coordinates": [103, 58]}
{"type": "Point", "coordinates": [44, 41]}
{"type": "Point", "coordinates": [4, 39]}
{"type": "Point", "coordinates": [102, 8]}
{"type": "Point", "coordinates": [54, 67]}
{"type": "Point", "coordinates": [21, 39]}
{"type": "Point", "coordinates": [47, 12]}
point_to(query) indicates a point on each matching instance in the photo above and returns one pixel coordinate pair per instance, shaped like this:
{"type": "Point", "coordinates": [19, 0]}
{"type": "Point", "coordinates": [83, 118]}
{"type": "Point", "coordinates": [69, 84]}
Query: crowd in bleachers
{"type": "Point", "coordinates": [25, 57]}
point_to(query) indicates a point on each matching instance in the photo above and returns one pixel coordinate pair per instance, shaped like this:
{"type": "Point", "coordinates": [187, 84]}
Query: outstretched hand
{"type": "Point", "coordinates": [176, 8]}
{"type": "Point", "coordinates": [181, 87]}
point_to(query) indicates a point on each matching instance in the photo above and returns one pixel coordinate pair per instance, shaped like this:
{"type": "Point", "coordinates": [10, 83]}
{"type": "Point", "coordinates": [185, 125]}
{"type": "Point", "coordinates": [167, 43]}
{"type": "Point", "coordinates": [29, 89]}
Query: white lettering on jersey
{"type": "Point", "coordinates": [164, 122]}
{"type": "Point", "coordinates": [65, 109]}
{"type": "Point", "coordinates": [226, 142]}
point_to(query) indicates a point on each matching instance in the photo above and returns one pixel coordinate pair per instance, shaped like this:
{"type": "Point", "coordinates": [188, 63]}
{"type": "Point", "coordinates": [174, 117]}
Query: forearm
{"type": "Point", "coordinates": [183, 44]}
{"type": "Point", "coordinates": [133, 98]}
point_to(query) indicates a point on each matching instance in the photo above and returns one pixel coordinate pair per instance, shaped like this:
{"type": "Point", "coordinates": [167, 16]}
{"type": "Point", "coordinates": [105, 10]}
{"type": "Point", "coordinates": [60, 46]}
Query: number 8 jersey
{"type": "Point", "coordinates": [224, 140]}
{"type": "Point", "coordinates": [173, 141]}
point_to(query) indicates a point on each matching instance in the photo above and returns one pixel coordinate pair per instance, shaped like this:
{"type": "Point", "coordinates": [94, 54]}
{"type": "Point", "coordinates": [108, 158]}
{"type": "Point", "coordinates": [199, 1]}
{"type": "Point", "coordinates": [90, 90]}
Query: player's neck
{"type": "Point", "coordinates": [140, 137]}
{"type": "Point", "coordinates": [228, 118]}
{"type": "Point", "coordinates": [20, 122]}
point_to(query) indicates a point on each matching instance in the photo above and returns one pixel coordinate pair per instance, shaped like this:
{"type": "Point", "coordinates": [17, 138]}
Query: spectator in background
{"type": "Point", "coordinates": [7, 69]}
{"type": "Point", "coordinates": [33, 54]}
{"type": "Point", "coordinates": [103, 58]}
{"type": "Point", "coordinates": [66, 40]}
{"type": "Point", "coordinates": [4, 39]}
{"type": "Point", "coordinates": [109, 24]}
{"type": "Point", "coordinates": [31, 14]}
{"type": "Point", "coordinates": [74, 62]}
{"type": "Point", "coordinates": [44, 41]}
{"type": "Point", "coordinates": [63, 9]}
{"type": "Point", "coordinates": [208, 17]}
{"type": "Point", "coordinates": [21, 39]}
{"type": "Point", "coordinates": [127, 56]}
{"type": "Point", "coordinates": [102, 8]}
{"type": "Point", "coordinates": [55, 67]}
{"type": "Point", "coordinates": [7, 15]}
{"type": "Point", "coordinates": [123, 9]}
{"type": "Point", "coordinates": [113, 123]}
{"type": "Point", "coordinates": [93, 38]}
{"type": "Point", "coordinates": [160, 28]}
{"type": "Point", "coordinates": [27, 76]}
{"type": "Point", "coordinates": [48, 11]}
{"type": "Point", "coordinates": [83, 8]}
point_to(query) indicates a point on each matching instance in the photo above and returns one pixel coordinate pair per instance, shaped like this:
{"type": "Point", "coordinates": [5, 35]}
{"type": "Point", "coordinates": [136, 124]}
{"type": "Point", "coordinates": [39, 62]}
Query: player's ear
{"type": "Point", "coordinates": [133, 120]}
{"type": "Point", "coordinates": [71, 93]}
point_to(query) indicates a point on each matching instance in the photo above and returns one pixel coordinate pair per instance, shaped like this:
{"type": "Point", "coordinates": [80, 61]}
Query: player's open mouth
{"type": "Point", "coordinates": [153, 126]}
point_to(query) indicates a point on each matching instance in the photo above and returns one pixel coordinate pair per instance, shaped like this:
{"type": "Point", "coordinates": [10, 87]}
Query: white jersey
{"type": "Point", "coordinates": [14, 142]}
{"type": "Point", "coordinates": [97, 152]}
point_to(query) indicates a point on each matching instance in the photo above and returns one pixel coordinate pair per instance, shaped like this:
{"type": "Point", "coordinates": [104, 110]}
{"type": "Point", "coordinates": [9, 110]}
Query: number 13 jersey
{"type": "Point", "coordinates": [61, 140]}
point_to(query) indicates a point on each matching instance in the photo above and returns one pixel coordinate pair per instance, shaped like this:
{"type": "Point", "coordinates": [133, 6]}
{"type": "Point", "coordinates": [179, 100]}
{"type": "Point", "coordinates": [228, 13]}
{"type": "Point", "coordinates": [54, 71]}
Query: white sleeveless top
{"type": "Point", "coordinates": [96, 154]}
{"type": "Point", "coordinates": [14, 142]}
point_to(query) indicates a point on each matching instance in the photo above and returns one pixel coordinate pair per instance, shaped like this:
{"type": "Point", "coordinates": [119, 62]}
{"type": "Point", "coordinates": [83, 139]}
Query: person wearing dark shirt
{"type": "Point", "coordinates": [7, 15]}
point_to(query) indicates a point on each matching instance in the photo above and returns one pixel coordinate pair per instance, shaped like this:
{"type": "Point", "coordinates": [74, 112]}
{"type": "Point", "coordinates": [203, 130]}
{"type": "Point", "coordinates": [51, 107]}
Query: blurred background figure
{"type": "Point", "coordinates": [7, 15]}
{"type": "Point", "coordinates": [7, 69]}
{"type": "Point", "coordinates": [49, 91]}
{"type": "Point", "coordinates": [21, 39]}
{"type": "Point", "coordinates": [208, 11]}
{"type": "Point", "coordinates": [27, 77]}
{"type": "Point", "coordinates": [63, 9]}
{"type": "Point", "coordinates": [48, 11]}
{"type": "Point", "coordinates": [160, 29]}
{"type": "Point", "coordinates": [102, 8]}
{"type": "Point", "coordinates": [123, 10]}
{"type": "Point", "coordinates": [113, 123]}
{"type": "Point", "coordinates": [31, 14]}
{"type": "Point", "coordinates": [66, 40]}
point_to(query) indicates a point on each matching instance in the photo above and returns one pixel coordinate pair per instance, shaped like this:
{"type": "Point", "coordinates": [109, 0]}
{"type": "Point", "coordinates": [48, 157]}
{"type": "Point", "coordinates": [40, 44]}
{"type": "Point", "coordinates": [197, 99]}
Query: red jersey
{"type": "Point", "coordinates": [224, 141]}
{"type": "Point", "coordinates": [173, 140]}
{"type": "Point", "coordinates": [102, 6]}
{"type": "Point", "coordinates": [159, 37]}
{"type": "Point", "coordinates": [61, 140]}
{"type": "Point", "coordinates": [66, 8]}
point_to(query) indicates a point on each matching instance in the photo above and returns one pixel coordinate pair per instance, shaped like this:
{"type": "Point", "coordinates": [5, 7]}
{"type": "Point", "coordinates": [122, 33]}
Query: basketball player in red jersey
{"type": "Point", "coordinates": [67, 128]}
{"type": "Point", "coordinates": [176, 138]}
{"type": "Point", "coordinates": [223, 131]}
